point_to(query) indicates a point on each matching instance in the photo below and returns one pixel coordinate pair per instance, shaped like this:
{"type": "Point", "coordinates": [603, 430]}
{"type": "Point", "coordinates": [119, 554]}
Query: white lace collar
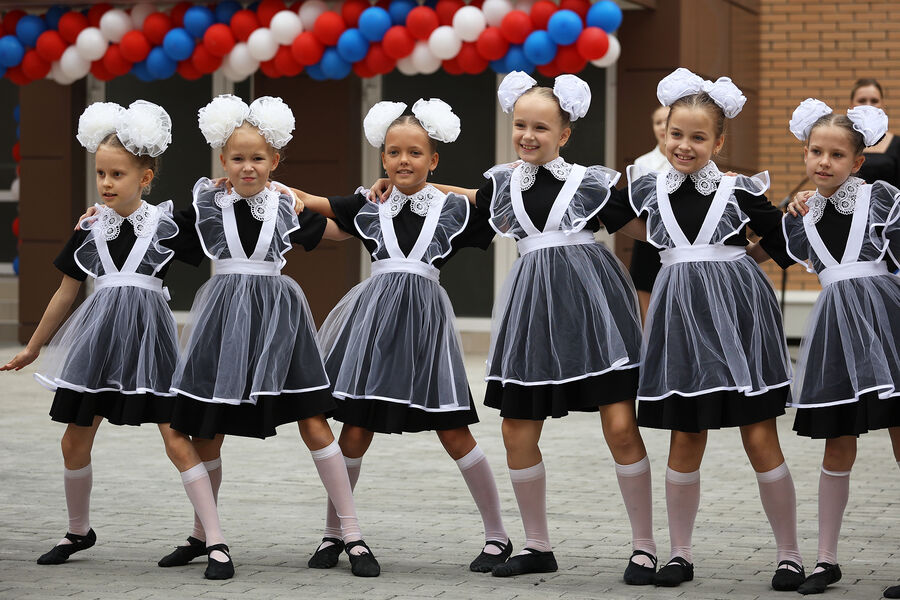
{"type": "Point", "coordinates": [706, 180]}
{"type": "Point", "coordinates": [419, 202]}
{"type": "Point", "coordinates": [843, 199]}
{"type": "Point", "coordinates": [144, 221]}
{"type": "Point", "coordinates": [527, 172]}
{"type": "Point", "coordinates": [263, 205]}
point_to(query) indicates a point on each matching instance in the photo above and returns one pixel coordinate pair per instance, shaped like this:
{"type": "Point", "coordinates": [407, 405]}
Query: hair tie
{"type": "Point", "coordinates": [512, 87]}
{"type": "Point", "coordinates": [573, 94]}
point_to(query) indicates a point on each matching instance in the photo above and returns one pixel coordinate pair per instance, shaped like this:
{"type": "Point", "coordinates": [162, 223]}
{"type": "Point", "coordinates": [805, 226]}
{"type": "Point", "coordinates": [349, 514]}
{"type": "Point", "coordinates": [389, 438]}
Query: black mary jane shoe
{"type": "Point", "coordinates": [485, 562]}
{"type": "Point", "coordinates": [216, 569]}
{"type": "Point", "coordinates": [788, 576]}
{"type": "Point", "coordinates": [183, 555]}
{"type": "Point", "coordinates": [61, 552]}
{"type": "Point", "coordinates": [535, 561]}
{"type": "Point", "coordinates": [817, 582]}
{"type": "Point", "coordinates": [637, 574]}
{"type": "Point", "coordinates": [362, 565]}
{"type": "Point", "coordinates": [892, 592]}
{"type": "Point", "coordinates": [674, 573]}
{"type": "Point", "coordinates": [326, 558]}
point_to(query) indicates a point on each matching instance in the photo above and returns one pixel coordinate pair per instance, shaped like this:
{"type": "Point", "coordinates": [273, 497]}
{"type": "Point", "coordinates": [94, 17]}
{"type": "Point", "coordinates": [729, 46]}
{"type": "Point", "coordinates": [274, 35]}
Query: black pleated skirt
{"type": "Point", "coordinates": [80, 408]}
{"type": "Point", "coordinates": [715, 410]}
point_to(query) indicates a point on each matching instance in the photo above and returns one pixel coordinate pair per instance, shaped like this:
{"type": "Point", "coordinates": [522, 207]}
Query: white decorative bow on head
{"type": "Point", "coordinates": [143, 128]}
{"type": "Point", "coordinates": [270, 115]}
{"type": "Point", "coordinates": [435, 116]}
{"type": "Point", "coordinates": [870, 121]}
{"type": "Point", "coordinates": [682, 82]}
{"type": "Point", "coordinates": [573, 93]}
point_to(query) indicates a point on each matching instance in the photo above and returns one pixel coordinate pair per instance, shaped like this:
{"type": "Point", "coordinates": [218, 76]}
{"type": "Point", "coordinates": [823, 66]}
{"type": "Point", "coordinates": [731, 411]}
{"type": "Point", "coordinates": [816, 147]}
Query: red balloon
{"type": "Point", "coordinates": [15, 227]}
{"type": "Point", "coordinates": [243, 23]}
{"type": "Point", "coordinates": [100, 72]}
{"type": "Point", "coordinates": [307, 49]}
{"type": "Point", "coordinates": [268, 9]}
{"type": "Point", "coordinates": [378, 60]}
{"type": "Point", "coordinates": [491, 44]}
{"type": "Point", "coordinates": [134, 46]}
{"type": "Point", "coordinates": [295, 6]}
{"type": "Point", "coordinates": [568, 60]}
{"type": "Point", "coordinates": [286, 63]}
{"type": "Point", "coordinates": [516, 26]}
{"type": "Point", "coordinates": [452, 66]}
{"type": "Point", "coordinates": [269, 69]}
{"type": "Point", "coordinates": [351, 9]}
{"type": "Point", "coordinates": [114, 62]}
{"type": "Point", "coordinates": [328, 28]}
{"type": "Point", "coordinates": [592, 43]}
{"type": "Point", "coordinates": [541, 11]}
{"type": "Point", "coordinates": [16, 154]}
{"type": "Point", "coordinates": [445, 10]}
{"type": "Point", "coordinates": [398, 42]}
{"type": "Point", "coordinates": [188, 71]}
{"type": "Point", "coordinates": [11, 19]}
{"type": "Point", "coordinates": [178, 13]}
{"type": "Point", "coordinates": [50, 45]}
{"type": "Point", "coordinates": [581, 7]}
{"type": "Point", "coordinates": [470, 61]}
{"type": "Point", "coordinates": [16, 75]}
{"type": "Point", "coordinates": [362, 70]}
{"type": "Point", "coordinates": [70, 25]}
{"type": "Point", "coordinates": [219, 39]}
{"type": "Point", "coordinates": [156, 26]}
{"type": "Point", "coordinates": [34, 66]}
{"type": "Point", "coordinates": [205, 61]}
{"type": "Point", "coordinates": [549, 70]}
{"type": "Point", "coordinates": [96, 11]}
{"type": "Point", "coordinates": [421, 21]}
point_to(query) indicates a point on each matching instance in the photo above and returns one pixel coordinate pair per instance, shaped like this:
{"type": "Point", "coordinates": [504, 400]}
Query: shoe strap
{"type": "Point", "coordinates": [644, 553]}
{"type": "Point", "coordinates": [335, 541]}
{"type": "Point", "coordinates": [194, 542]}
{"type": "Point", "coordinates": [77, 539]}
{"type": "Point", "coordinates": [351, 545]}
{"type": "Point", "coordinates": [497, 544]}
{"type": "Point", "coordinates": [223, 548]}
{"type": "Point", "coordinates": [825, 565]}
{"type": "Point", "coordinates": [677, 560]}
{"type": "Point", "coordinates": [789, 563]}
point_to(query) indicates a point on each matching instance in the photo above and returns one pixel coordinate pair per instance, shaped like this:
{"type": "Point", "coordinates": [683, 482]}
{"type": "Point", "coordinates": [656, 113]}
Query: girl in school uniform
{"type": "Point", "coordinates": [848, 379]}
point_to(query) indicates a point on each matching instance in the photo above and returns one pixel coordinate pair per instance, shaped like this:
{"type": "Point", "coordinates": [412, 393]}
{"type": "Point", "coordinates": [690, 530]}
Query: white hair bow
{"type": "Point", "coordinates": [143, 128]}
{"type": "Point", "coordinates": [435, 116]}
{"type": "Point", "coordinates": [870, 121]}
{"type": "Point", "coordinates": [682, 82]}
{"type": "Point", "coordinates": [270, 115]}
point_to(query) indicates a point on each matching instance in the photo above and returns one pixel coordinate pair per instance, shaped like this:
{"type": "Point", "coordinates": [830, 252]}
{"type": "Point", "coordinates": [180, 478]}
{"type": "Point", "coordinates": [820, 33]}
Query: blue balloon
{"type": "Point", "coordinates": [499, 66]}
{"type": "Point", "coordinates": [16, 265]}
{"type": "Point", "coordinates": [333, 66]}
{"type": "Point", "coordinates": [29, 28]}
{"type": "Point", "coordinates": [352, 46]}
{"type": "Point", "coordinates": [606, 15]}
{"type": "Point", "coordinates": [16, 113]}
{"type": "Point", "coordinates": [564, 27]}
{"type": "Point", "coordinates": [539, 47]}
{"type": "Point", "coordinates": [197, 20]}
{"type": "Point", "coordinates": [225, 10]}
{"type": "Point", "coordinates": [374, 23]}
{"type": "Point", "coordinates": [54, 13]}
{"type": "Point", "coordinates": [160, 64]}
{"type": "Point", "coordinates": [516, 60]}
{"type": "Point", "coordinates": [178, 44]}
{"type": "Point", "coordinates": [399, 9]}
{"type": "Point", "coordinates": [11, 51]}
{"type": "Point", "coordinates": [140, 70]}
{"type": "Point", "coordinates": [315, 72]}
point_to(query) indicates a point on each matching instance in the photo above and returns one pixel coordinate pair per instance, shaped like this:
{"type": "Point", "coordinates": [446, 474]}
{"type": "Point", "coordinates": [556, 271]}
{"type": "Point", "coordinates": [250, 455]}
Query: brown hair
{"type": "Point", "coordinates": [142, 161]}
{"type": "Point", "coordinates": [842, 121]}
{"type": "Point", "coordinates": [866, 82]}
{"type": "Point", "coordinates": [411, 120]}
{"type": "Point", "coordinates": [547, 93]}
{"type": "Point", "coordinates": [702, 101]}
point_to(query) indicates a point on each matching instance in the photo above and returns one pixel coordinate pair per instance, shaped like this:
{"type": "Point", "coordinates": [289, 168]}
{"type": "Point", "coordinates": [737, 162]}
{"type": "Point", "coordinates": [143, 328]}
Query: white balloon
{"type": "Point", "coordinates": [57, 75]}
{"type": "Point", "coordinates": [525, 5]}
{"type": "Point", "coordinates": [495, 10]}
{"type": "Point", "coordinates": [229, 72]}
{"type": "Point", "coordinates": [285, 26]}
{"type": "Point", "coordinates": [444, 43]}
{"type": "Point", "coordinates": [139, 12]}
{"type": "Point", "coordinates": [406, 66]}
{"type": "Point", "coordinates": [612, 54]}
{"type": "Point", "coordinates": [14, 190]}
{"type": "Point", "coordinates": [241, 61]}
{"type": "Point", "coordinates": [114, 24]}
{"type": "Point", "coordinates": [91, 44]}
{"type": "Point", "coordinates": [73, 65]}
{"type": "Point", "coordinates": [262, 45]}
{"type": "Point", "coordinates": [310, 11]}
{"type": "Point", "coordinates": [468, 23]}
{"type": "Point", "coordinates": [424, 59]}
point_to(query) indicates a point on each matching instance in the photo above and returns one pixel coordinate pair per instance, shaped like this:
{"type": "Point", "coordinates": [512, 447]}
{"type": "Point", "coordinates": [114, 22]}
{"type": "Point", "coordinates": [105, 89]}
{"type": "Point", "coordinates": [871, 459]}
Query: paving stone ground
{"type": "Point", "coordinates": [416, 514]}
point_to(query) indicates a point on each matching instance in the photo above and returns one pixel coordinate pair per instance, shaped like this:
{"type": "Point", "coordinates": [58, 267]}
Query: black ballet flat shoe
{"type": "Point", "coordinates": [636, 574]}
{"type": "Point", "coordinates": [216, 569]}
{"type": "Point", "coordinates": [674, 573]}
{"type": "Point", "coordinates": [362, 565]}
{"type": "Point", "coordinates": [326, 558]}
{"type": "Point", "coordinates": [892, 592]}
{"type": "Point", "coordinates": [520, 564]}
{"type": "Point", "coordinates": [786, 579]}
{"type": "Point", "coordinates": [61, 553]}
{"type": "Point", "coordinates": [182, 555]}
{"type": "Point", "coordinates": [485, 562]}
{"type": "Point", "coordinates": [817, 582]}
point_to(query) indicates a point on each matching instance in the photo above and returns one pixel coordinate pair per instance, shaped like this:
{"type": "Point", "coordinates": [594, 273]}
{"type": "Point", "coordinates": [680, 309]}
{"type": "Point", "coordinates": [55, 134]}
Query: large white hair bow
{"type": "Point", "coordinates": [514, 85]}
{"type": "Point", "coordinates": [682, 82]}
{"type": "Point", "coordinates": [574, 95]}
{"type": "Point", "coordinates": [435, 116]}
{"type": "Point", "coordinates": [870, 121]}
{"type": "Point", "coordinates": [803, 117]}
{"type": "Point", "coordinates": [273, 118]}
{"type": "Point", "coordinates": [379, 118]}
{"type": "Point", "coordinates": [143, 128]}
{"type": "Point", "coordinates": [221, 117]}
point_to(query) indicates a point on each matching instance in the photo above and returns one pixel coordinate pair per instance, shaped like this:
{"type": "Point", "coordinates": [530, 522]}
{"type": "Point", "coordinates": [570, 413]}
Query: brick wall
{"type": "Point", "coordinates": [818, 48]}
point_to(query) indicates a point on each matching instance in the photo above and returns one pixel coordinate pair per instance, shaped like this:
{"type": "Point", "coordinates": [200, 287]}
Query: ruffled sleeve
{"type": "Point", "coordinates": [159, 254]}
{"type": "Point", "coordinates": [796, 242]}
{"type": "Point", "coordinates": [884, 219]}
{"type": "Point", "coordinates": [345, 209]}
{"type": "Point", "coordinates": [765, 218]}
{"type": "Point", "coordinates": [208, 224]}
{"type": "Point", "coordinates": [589, 201]}
{"type": "Point", "coordinates": [503, 219]}
{"type": "Point", "coordinates": [452, 222]}
{"type": "Point", "coordinates": [65, 261]}
{"type": "Point", "coordinates": [643, 201]}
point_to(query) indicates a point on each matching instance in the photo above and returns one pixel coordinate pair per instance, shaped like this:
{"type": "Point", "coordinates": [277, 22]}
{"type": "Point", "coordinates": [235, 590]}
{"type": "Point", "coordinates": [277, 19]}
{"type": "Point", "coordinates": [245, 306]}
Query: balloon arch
{"type": "Point", "coordinates": [328, 41]}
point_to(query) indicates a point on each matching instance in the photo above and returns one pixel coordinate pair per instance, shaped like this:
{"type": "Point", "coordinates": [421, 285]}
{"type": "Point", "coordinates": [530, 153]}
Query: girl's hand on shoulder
{"type": "Point", "coordinates": [90, 213]}
{"type": "Point", "coordinates": [221, 181]}
{"type": "Point", "coordinates": [283, 189]}
{"type": "Point", "coordinates": [380, 190]}
{"type": "Point", "coordinates": [22, 359]}
{"type": "Point", "coordinates": [798, 207]}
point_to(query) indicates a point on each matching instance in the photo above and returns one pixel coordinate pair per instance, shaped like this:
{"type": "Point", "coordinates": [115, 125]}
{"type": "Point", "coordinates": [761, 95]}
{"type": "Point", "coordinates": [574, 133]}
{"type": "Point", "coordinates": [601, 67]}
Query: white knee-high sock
{"type": "Point", "coordinates": [77, 484]}
{"type": "Point", "coordinates": [333, 473]}
{"type": "Point", "coordinates": [834, 491]}
{"type": "Point", "coordinates": [477, 473]}
{"type": "Point", "coordinates": [332, 521]}
{"type": "Point", "coordinates": [779, 500]}
{"type": "Point", "coordinates": [530, 487]}
{"type": "Point", "coordinates": [637, 493]}
{"type": "Point", "coordinates": [199, 491]}
{"type": "Point", "coordinates": [682, 504]}
{"type": "Point", "coordinates": [214, 470]}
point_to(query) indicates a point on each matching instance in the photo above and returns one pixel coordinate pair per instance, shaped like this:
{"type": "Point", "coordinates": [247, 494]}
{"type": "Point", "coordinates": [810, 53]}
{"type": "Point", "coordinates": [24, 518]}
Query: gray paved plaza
{"type": "Point", "coordinates": [415, 511]}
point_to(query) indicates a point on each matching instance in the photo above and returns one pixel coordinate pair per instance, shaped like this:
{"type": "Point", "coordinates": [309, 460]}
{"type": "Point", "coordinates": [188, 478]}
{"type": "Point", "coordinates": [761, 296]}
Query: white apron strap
{"type": "Point", "coordinates": [136, 254]}
{"type": "Point", "coordinates": [564, 198]}
{"type": "Point", "coordinates": [668, 217]}
{"type": "Point", "coordinates": [103, 252]}
{"type": "Point", "coordinates": [264, 241]}
{"type": "Point", "coordinates": [518, 205]}
{"type": "Point", "coordinates": [715, 212]}
{"type": "Point", "coordinates": [232, 237]}
{"type": "Point", "coordinates": [429, 226]}
{"type": "Point", "coordinates": [858, 225]}
{"type": "Point", "coordinates": [388, 235]}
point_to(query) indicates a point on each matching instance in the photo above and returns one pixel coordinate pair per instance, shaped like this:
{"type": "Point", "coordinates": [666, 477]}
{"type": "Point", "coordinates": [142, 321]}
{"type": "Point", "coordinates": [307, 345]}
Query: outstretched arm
{"type": "Point", "coordinates": [317, 204]}
{"type": "Point", "coordinates": [757, 253]}
{"type": "Point", "coordinates": [635, 228]}
{"type": "Point", "coordinates": [469, 193]}
{"type": "Point", "coordinates": [54, 314]}
{"type": "Point", "coordinates": [333, 232]}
